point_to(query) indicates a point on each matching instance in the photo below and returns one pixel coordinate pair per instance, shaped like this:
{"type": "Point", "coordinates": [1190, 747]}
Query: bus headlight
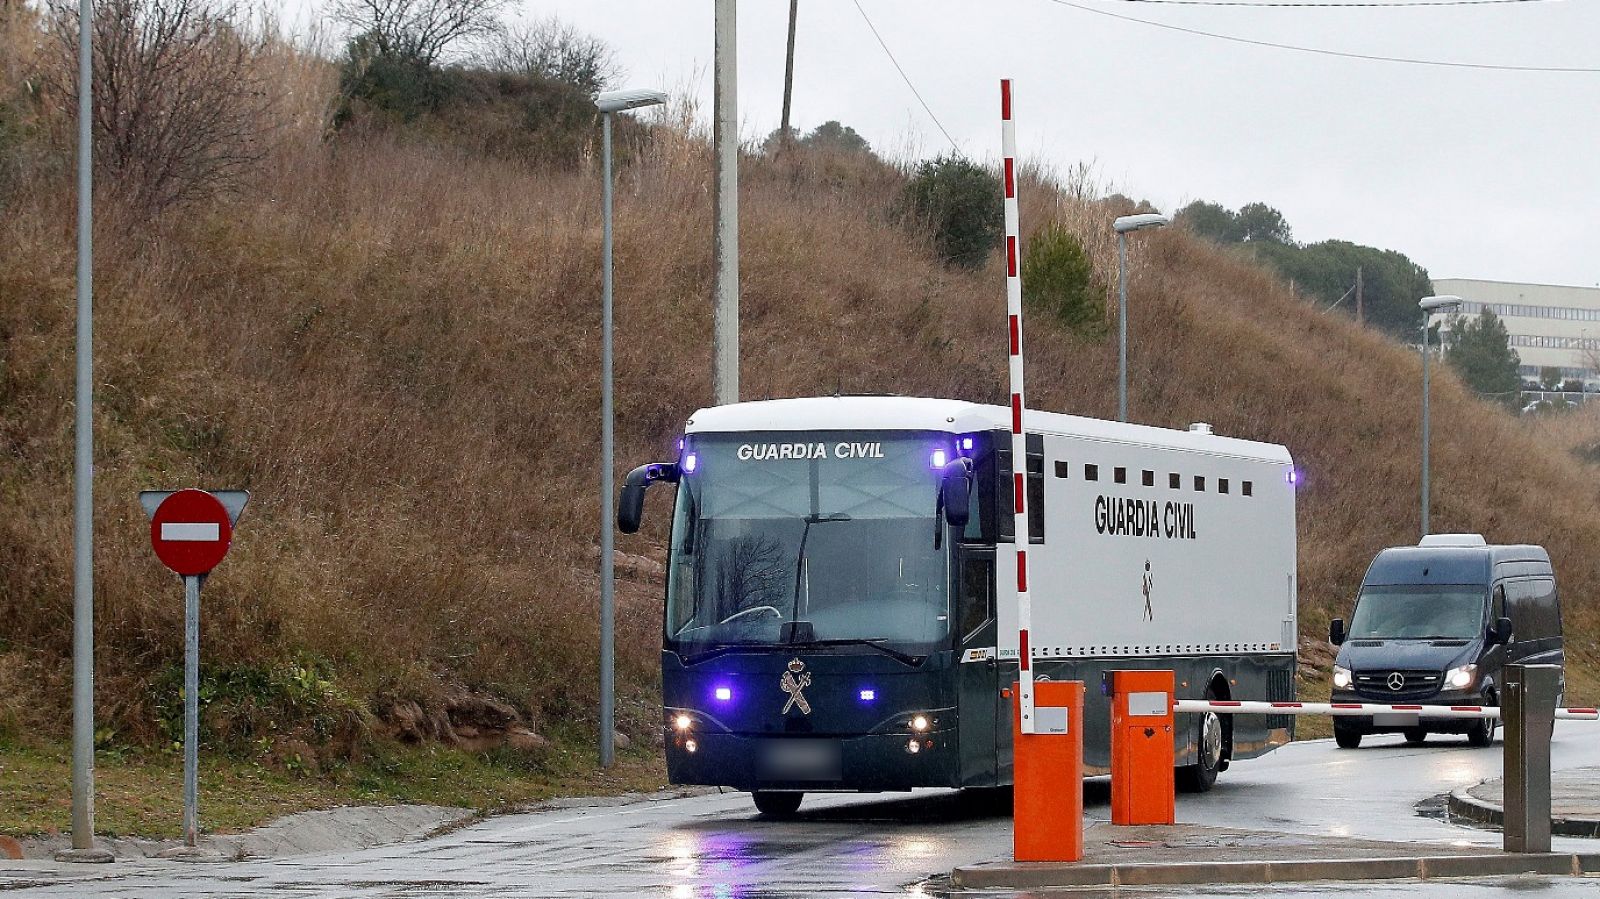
{"type": "Point", "coordinates": [1461, 678]}
{"type": "Point", "coordinates": [682, 722]}
{"type": "Point", "coordinates": [1341, 677]}
{"type": "Point", "coordinates": [919, 723]}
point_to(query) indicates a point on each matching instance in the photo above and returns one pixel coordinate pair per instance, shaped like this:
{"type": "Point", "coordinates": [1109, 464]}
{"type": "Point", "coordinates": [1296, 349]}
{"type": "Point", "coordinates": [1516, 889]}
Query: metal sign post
{"type": "Point", "coordinates": [191, 709]}
{"type": "Point", "coordinates": [191, 531]}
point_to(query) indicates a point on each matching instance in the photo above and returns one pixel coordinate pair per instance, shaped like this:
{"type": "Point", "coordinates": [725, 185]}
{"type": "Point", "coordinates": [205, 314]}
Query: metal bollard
{"type": "Point", "coordinates": [1529, 715]}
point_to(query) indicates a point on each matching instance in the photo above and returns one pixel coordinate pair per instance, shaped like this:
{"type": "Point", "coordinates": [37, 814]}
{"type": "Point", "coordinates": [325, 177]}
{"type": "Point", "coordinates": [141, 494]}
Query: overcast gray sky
{"type": "Point", "coordinates": [1473, 173]}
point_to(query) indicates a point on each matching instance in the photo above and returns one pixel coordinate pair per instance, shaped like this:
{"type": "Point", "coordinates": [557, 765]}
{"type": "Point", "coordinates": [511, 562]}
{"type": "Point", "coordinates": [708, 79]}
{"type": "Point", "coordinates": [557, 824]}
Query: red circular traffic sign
{"type": "Point", "coordinates": [191, 532]}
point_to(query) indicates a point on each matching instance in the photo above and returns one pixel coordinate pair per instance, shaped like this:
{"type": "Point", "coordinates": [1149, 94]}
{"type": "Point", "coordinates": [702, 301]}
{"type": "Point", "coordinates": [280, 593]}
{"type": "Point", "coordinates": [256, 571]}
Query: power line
{"type": "Point", "coordinates": [1322, 51]}
{"type": "Point", "coordinates": [926, 108]}
{"type": "Point", "coordinates": [1331, 4]}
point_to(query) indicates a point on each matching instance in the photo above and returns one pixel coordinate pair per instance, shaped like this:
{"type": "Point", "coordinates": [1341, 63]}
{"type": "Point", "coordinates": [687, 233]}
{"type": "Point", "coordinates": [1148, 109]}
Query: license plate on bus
{"type": "Point", "coordinates": [1395, 719]}
{"type": "Point", "coordinates": [800, 760]}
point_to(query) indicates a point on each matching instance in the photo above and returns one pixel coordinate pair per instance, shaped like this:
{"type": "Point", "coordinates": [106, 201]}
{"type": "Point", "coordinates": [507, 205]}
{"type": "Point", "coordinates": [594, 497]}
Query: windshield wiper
{"type": "Point", "coordinates": [800, 558]}
{"type": "Point", "coordinates": [712, 650]}
{"type": "Point", "coordinates": [876, 643]}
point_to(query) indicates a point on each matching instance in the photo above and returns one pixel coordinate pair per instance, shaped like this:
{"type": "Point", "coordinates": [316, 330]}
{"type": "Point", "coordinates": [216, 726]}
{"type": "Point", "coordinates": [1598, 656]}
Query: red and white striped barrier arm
{"type": "Point", "coordinates": [1352, 709]}
{"type": "Point", "coordinates": [1019, 444]}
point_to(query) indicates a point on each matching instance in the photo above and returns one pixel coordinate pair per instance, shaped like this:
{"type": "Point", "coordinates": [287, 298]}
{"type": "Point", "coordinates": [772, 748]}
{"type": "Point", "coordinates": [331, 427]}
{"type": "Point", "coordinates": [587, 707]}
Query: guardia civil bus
{"type": "Point", "coordinates": [834, 620]}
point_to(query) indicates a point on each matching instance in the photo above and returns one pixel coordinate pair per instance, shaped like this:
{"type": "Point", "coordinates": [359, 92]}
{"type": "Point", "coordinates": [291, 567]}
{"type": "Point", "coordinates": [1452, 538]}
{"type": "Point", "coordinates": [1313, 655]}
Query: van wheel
{"type": "Point", "coordinates": [1346, 737]}
{"type": "Point", "coordinates": [1481, 733]}
{"type": "Point", "coordinates": [777, 804]}
{"type": "Point", "coordinates": [1202, 776]}
{"type": "Point", "coordinates": [1416, 736]}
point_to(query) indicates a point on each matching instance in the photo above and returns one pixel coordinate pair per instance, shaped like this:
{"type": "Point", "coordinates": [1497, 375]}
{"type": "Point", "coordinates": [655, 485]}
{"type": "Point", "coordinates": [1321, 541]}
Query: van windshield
{"type": "Point", "coordinates": [1419, 613]}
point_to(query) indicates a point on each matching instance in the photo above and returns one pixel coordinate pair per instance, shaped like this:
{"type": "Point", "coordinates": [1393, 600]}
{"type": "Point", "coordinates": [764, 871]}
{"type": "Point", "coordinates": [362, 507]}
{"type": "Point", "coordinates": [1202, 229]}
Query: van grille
{"type": "Point", "coordinates": [1411, 684]}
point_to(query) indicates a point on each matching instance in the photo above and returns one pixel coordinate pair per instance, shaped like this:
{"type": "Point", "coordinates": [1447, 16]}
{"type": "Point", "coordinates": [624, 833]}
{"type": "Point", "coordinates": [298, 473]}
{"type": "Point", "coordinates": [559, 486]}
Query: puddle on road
{"type": "Point", "coordinates": [1437, 808]}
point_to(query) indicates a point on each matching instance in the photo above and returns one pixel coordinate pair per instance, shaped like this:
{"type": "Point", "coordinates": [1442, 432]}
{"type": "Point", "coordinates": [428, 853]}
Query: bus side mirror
{"type": "Point", "coordinates": [1500, 633]}
{"type": "Point", "coordinates": [630, 507]}
{"type": "Point", "coordinates": [1336, 632]}
{"type": "Point", "coordinates": [955, 488]}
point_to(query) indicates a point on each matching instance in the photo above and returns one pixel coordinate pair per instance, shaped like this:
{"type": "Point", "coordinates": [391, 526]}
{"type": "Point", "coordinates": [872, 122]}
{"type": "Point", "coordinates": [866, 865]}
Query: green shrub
{"type": "Point", "coordinates": [961, 203]}
{"type": "Point", "coordinates": [243, 707]}
{"type": "Point", "coordinates": [1058, 278]}
{"type": "Point", "coordinates": [392, 86]}
{"type": "Point", "coordinates": [510, 114]}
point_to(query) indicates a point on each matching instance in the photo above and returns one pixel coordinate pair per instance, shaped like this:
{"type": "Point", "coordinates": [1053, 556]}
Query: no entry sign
{"type": "Point", "coordinates": [192, 529]}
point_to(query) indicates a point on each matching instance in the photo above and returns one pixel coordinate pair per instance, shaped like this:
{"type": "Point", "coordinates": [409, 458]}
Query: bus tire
{"type": "Point", "coordinates": [1202, 775]}
{"type": "Point", "coordinates": [1416, 736]}
{"type": "Point", "coordinates": [777, 803]}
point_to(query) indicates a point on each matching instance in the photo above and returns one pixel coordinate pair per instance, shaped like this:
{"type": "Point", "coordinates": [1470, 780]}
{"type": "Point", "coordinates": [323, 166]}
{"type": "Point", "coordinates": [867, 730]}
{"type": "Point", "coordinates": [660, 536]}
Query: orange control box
{"type": "Point", "coordinates": [1142, 754]}
{"type": "Point", "coordinates": [1047, 809]}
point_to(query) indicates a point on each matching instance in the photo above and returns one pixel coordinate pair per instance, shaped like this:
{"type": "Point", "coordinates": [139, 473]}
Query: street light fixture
{"type": "Point", "coordinates": [609, 103]}
{"type": "Point", "coordinates": [1122, 226]}
{"type": "Point", "coordinates": [1430, 307]}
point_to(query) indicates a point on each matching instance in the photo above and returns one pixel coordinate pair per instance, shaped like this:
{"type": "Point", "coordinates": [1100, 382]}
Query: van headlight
{"type": "Point", "coordinates": [1461, 678]}
{"type": "Point", "coordinates": [1341, 677]}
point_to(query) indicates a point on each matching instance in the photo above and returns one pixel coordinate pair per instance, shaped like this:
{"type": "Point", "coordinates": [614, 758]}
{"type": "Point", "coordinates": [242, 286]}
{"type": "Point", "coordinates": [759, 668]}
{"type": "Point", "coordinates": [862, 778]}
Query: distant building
{"type": "Point", "coordinates": [1550, 326]}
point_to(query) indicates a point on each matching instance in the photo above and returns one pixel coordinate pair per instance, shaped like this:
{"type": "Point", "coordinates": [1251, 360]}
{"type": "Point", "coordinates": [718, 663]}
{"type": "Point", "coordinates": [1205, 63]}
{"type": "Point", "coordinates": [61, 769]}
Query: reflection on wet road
{"type": "Point", "coordinates": [716, 846]}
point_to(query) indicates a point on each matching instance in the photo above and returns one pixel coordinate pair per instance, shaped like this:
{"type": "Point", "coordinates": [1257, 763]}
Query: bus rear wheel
{"type": "Point", "coordinates": [1202, 775]}
{"type": "Point", "coordinates": [777, 804]}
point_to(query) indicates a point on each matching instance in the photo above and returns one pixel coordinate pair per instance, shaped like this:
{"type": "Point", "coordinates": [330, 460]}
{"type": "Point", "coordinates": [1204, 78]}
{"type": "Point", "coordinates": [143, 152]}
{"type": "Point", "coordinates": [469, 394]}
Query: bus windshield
{"type": "Point", "coordinates": [785, 537]}
{"type": "Point", "coordinates": [1419, 613]}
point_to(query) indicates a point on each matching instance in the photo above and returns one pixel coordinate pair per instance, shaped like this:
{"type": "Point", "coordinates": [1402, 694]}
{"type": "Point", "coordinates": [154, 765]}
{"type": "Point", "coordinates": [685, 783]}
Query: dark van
{"type": "Point", "coordinates": [1433, 625]}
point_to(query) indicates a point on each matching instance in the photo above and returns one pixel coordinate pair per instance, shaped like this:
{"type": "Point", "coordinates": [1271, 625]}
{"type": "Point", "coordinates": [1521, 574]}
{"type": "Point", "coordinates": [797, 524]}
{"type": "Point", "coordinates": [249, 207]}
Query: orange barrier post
{"type": "Point", "coordinates": [1142, 754]}
{"type": "Point", "coordinates": [1047, 808]}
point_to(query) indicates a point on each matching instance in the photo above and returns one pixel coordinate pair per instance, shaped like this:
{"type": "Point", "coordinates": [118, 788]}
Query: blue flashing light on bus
{"type": "Point", "coordinates": [724, 694]}
{"type": "Point", "coordinates": [940, 457]}
{"type": "Point", "coordinates": [868, 695]}
{"type": "Point", "coordinates": [690, 461]}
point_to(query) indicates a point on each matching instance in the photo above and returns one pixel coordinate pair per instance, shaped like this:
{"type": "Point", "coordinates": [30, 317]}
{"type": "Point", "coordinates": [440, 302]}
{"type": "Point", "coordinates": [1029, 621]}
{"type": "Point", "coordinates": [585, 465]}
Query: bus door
{"type": "Point", "coordinates": [979, 714]}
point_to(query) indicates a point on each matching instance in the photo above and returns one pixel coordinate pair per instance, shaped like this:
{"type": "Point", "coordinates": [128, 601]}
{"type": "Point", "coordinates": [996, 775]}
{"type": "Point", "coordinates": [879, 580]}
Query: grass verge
{"type": "Point", "coordinates": [141, 793]}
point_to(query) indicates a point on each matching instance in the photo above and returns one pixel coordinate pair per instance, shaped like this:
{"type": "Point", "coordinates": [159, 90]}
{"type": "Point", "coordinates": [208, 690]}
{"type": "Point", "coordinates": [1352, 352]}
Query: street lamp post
{"type": "Point", "coordinates": [609, 102]}
{"type": "Point", "coordinates": [1430, 305]}
{"type": "Point", "coordinates": [1123, 225]}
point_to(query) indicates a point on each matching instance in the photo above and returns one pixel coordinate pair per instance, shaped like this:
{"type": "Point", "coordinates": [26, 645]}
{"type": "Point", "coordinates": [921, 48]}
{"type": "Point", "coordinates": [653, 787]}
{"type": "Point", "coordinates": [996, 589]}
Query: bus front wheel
{"type": "Point", "coordinates": [777, 804]}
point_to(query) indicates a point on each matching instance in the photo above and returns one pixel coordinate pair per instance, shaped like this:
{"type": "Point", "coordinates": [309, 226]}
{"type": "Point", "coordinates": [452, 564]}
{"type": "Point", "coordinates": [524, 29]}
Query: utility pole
{"type": "Point", "coordinates": [1361, 313]}
{"type": "Point", "coordinates": [725, 136]}
{"type": "Point", "coordinates": [83, 849]}
{"type": "Point", "coordinates": [785, 137]}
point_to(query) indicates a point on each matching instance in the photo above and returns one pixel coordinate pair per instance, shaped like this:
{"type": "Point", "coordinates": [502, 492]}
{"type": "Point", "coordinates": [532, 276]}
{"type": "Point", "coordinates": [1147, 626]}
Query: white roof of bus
{"type": "Point", "coordinates": [906, 413]}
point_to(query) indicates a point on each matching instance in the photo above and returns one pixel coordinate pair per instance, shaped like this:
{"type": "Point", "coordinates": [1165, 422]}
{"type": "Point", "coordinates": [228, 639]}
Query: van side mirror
{"type": "Point", "coordinates": [1336, 632]}
{"type": "Point", "coordinates": [955, 492]}
{"type": "Point", "coordinates": [1501, 632]}
{"type": "Point", "coordinates": [630, 507]}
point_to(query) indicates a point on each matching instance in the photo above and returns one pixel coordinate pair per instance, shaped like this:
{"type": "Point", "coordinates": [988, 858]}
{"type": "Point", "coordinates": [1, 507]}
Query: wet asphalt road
{"type": "Point", "coordinates": [715, 846]}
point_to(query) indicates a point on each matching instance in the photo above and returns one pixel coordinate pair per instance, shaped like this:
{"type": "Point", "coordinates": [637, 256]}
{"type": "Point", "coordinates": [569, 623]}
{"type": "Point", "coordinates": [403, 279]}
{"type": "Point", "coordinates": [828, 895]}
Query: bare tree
{"type": "Point", "coordinates": [179, 107]}
{"type": "Point", "coordinates": [553, 49]}
{"type": "Point", "coordinates": [419, 30]}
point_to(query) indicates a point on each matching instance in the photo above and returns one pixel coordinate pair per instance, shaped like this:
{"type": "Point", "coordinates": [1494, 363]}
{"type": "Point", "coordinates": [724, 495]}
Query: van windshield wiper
{"type": "Point", "coordinates": [876, 643]}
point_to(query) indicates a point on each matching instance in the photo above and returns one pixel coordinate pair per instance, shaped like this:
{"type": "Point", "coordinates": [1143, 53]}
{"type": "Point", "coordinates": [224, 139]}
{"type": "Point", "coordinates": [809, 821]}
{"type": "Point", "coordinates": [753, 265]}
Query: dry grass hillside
{"type": "Point", "coordinates": [393, 345]}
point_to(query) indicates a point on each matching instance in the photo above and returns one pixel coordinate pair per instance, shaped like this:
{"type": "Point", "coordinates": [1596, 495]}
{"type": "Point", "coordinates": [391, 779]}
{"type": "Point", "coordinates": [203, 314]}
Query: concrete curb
{"type": "Point", "coordinates": [1045, 875]}
{"type": "Point", "coordinates": [1465, 805]}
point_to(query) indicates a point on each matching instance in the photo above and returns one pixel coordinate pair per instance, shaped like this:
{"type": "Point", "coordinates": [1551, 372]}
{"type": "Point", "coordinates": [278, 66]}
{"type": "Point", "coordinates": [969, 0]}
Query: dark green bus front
{"type": "Point", "coordinates": [815, 621]}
